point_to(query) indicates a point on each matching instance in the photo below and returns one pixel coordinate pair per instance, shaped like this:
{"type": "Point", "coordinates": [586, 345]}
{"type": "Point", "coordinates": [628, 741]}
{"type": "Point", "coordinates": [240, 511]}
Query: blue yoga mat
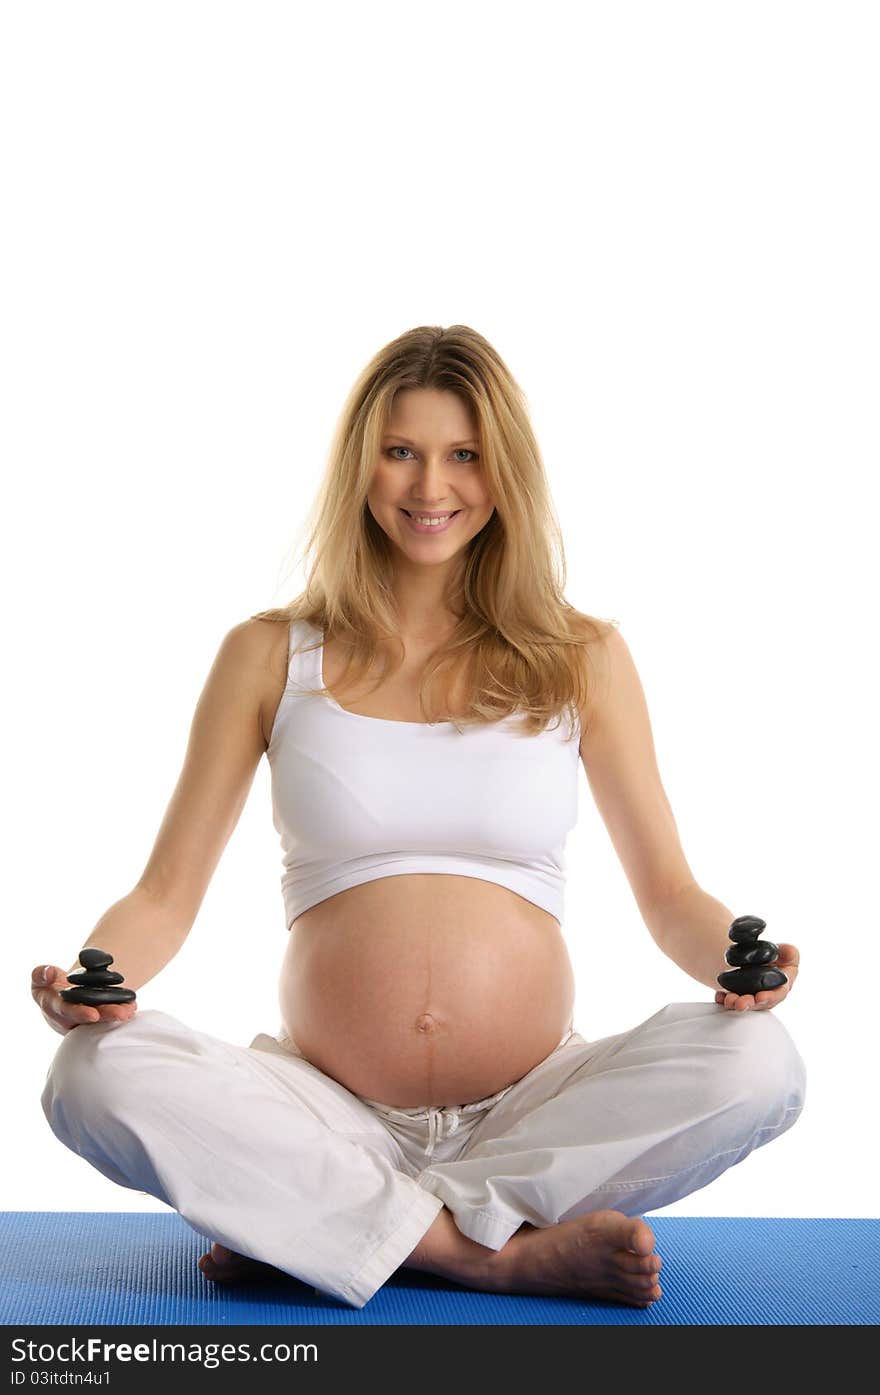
{"type": "Point", "coordinates": [138, 1267]}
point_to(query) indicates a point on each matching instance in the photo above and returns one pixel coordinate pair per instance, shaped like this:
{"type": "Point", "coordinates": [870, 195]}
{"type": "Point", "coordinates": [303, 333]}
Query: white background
{"type": "Point", "coordinates": [665, 218]}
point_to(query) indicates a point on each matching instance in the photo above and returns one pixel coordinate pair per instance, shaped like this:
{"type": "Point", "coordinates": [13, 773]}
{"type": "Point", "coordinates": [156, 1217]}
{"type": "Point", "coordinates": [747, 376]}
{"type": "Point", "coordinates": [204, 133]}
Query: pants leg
{"type": "Point", "coordinates": [256, 1148]}
{"type": "Point", "coordinates": [630, 1122]}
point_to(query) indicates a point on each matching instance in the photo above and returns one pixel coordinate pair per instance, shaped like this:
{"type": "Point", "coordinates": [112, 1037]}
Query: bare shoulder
{"type": "Point", "coordinates": [226, 743]}
{"type": "Point", "coordinates": [602, 649]}
{"type": "Point", "coordinates": [257, 653]}
{"type": "Point", "coordinates": [616, 710]}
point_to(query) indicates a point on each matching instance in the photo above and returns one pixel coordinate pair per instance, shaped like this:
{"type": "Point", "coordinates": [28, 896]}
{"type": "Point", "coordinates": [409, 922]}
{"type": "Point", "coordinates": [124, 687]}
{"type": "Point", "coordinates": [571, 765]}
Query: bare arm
{"type": "Point", "coordinates": [142, 932]}
{"type": "Point", "coordinates": [691, 929]}
{"type": "Point", "coordinates": [145, 929]}
{"type": "Point", "coordinates": [617, 750]}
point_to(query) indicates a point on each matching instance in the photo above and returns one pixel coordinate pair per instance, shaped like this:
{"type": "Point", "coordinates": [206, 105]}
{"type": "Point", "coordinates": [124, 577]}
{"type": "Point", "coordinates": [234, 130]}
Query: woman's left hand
{"type": "Point", "coordinates": [788, 961]}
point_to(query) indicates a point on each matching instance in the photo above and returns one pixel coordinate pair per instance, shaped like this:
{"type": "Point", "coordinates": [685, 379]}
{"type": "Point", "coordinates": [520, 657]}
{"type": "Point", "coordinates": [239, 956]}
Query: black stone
{"type": "Point", "coordinates": [746, 928]}
{"type": "Point", "coordinates": [760, 952]}
{"type": "Point", "coordinates": [95, 958]}
{"type": "Point", "coordinates": [94, 997]}
{"type": "Point", "coordinates": [751, 980]}
{"type": "Point", "coordinates": [100, 978]}
{"type": "Point", "coordinates": [92, 985]}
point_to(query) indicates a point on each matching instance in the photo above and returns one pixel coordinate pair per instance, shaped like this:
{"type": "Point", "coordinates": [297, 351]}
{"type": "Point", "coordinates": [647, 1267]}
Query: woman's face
{"type": "Point", "coordinates": [429, 463]}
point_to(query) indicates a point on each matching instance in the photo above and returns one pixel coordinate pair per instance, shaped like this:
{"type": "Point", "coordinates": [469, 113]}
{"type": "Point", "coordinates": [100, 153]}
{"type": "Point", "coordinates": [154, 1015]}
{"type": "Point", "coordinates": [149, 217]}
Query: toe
{"type": "Point", "coordinates": [641, 1238]}
{"type": "Point", "coordinates": [220, 1262]}
{"type": "Point", "coordinates": [633, 1300]}
{"type": "Point", "coordinates": [643, 1294]}
{"type": "Point", "coordinates": [629, 1263]}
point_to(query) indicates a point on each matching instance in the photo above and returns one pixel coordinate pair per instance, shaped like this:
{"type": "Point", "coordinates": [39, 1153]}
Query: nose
{"type": "Point", "coordinates": [431, 483]}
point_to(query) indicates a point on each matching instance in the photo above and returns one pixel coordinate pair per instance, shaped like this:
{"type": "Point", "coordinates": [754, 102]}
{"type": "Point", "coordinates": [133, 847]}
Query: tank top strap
{"type": "Point", "coordinates": [304, 663]}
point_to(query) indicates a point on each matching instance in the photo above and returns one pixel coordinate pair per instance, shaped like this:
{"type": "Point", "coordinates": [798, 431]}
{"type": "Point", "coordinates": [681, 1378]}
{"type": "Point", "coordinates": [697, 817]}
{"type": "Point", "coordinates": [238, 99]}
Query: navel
{"type": "Point", "coordinates": [425, 1023]}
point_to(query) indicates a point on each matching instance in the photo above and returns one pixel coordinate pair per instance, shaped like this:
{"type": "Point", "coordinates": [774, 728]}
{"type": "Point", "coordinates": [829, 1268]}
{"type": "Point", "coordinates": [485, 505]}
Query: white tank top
{"type": "Point", "coordinates": [357, 798]}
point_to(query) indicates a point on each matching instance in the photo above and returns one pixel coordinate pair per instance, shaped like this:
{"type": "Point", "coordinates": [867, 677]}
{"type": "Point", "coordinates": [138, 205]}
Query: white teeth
{"type": "Point", "coordinates": [431, 522]}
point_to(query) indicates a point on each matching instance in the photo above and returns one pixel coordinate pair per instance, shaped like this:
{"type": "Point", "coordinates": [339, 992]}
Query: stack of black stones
{"type": "Point", "coordinates": [752, 958]}
{"type": "Point", "coordinates": [97, 984]}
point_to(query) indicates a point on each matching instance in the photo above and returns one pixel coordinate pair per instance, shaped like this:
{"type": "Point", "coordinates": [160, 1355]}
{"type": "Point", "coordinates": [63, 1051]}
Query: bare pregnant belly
{"type": "Point", "coordinates": [426, 989]}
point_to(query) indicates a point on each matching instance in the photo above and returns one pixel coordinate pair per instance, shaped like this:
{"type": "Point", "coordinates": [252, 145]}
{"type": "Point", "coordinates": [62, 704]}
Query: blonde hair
{"type": "Point", "coordinates": [519, 646]}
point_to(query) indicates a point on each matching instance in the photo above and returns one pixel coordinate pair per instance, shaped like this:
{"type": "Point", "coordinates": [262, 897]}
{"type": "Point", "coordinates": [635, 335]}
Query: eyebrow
{"type": "Point", "coordinates": [389, 435]}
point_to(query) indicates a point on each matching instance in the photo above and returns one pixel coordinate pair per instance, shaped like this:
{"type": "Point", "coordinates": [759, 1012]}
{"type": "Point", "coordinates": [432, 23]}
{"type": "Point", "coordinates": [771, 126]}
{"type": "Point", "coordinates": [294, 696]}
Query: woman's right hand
{"type": "Point", "coordinates": [47, 980]}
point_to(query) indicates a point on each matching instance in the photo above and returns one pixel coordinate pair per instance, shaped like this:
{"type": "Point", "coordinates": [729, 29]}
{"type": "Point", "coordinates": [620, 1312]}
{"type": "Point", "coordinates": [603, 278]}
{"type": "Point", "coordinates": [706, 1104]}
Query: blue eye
{"type": "Point", "coordinates": [462, 451]}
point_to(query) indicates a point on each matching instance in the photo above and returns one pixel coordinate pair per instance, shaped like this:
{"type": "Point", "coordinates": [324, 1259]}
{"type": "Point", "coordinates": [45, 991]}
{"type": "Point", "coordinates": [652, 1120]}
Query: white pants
{"type": "Point", "coordinates": [258, 1149]}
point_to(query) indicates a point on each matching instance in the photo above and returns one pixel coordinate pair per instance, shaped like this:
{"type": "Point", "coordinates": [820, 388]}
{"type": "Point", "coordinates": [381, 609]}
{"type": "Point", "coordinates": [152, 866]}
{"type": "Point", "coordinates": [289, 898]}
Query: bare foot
{"type": "Point", "coordinates": [225, 1266]}
{"type": "Point", "coordinates": [603, 1254]}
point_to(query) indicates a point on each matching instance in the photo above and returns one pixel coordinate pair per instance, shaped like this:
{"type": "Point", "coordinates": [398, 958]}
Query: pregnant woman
{"type": "Point", "coordinates": [424, 706]}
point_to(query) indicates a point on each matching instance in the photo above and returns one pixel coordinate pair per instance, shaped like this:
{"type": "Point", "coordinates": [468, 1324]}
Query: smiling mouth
{"type": "Point", "coordinates": [451, 514]}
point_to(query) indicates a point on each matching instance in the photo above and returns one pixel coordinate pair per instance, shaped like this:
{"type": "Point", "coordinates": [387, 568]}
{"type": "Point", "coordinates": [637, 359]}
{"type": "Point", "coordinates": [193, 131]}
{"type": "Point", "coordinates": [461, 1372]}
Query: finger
{"type": "Point", "coordinates": [765, 1000]}
{"type": "Point", "coordinates": [121, 1012]}
{"type": "Point", "coordinates": [72, 1012]}
{"type": "Point", "coordinates": [53, 1004]}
